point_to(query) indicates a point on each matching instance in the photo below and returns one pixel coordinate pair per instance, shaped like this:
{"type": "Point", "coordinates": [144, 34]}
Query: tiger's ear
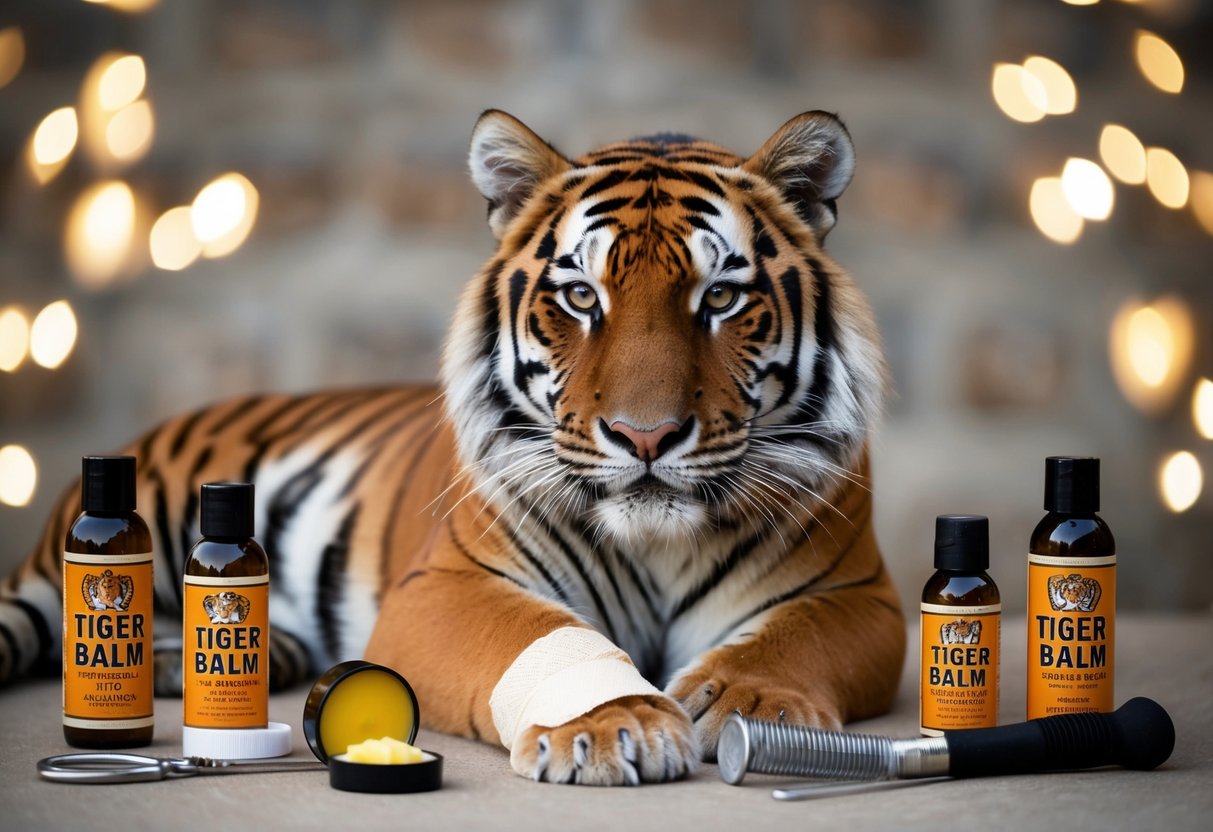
{"type": "Point", "coordinates": [810, 160]}
{"type": "Point", "coordinates": [508, 161]}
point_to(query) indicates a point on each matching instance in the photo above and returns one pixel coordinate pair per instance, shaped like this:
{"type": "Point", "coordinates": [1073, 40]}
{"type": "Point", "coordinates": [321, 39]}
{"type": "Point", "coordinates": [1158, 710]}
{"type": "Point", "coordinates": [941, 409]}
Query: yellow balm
{"type": "Point", "coordinates": [357, 701]}
{"type": "Point", "coordinates": [385, 751]}
{"type": "Point", "coordinates": [361, 719]}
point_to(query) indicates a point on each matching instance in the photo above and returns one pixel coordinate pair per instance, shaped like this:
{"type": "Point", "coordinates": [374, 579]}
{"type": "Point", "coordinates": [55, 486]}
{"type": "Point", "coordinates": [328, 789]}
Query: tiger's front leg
{"type": "Point", "coordinates": [492, 661]}
{"type": "Point", "coordinates": [819, 660]}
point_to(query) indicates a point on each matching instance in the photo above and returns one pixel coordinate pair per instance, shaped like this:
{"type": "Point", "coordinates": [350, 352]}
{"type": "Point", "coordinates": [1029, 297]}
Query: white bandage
{"type": "Point", "coordinates": [560, 677]}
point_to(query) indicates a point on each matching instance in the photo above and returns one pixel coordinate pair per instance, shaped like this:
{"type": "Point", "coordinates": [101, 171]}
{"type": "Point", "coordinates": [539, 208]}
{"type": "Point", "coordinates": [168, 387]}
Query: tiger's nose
{"type": "Point", "coordinates": [647, 445]}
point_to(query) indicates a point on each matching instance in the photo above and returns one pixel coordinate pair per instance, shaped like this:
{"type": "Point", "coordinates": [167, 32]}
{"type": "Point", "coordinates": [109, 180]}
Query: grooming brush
{"type": "Point", "coordinates": [1139, 735]}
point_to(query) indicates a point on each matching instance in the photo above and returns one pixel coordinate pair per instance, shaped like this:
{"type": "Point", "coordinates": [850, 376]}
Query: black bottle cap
{"type": "Point", "coordinates": [1072, 484]}
{"type": "Point", "coordinates": [227, 509]}
{"type": "Point", "coordinates": [962, 542]}
{"type": "Point", "coordinates": [107, 484]}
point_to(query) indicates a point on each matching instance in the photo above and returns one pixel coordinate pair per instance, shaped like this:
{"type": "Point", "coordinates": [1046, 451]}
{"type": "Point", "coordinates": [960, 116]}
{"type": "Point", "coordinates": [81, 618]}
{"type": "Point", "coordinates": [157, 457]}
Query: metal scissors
{"type": "Point", "coordinates": [106, 767]}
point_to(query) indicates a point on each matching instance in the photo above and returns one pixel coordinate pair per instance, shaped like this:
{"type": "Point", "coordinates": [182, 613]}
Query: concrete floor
{"type": "Point", "coordinates": [1167, 659]}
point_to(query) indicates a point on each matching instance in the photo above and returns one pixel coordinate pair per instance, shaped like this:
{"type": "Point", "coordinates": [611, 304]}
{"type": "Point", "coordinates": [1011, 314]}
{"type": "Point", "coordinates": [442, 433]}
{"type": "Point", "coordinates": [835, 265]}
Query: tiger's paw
{"type": "Point", "coordinates": [624, 742]}
{"type": "Point", "coordinates": [709, 697]}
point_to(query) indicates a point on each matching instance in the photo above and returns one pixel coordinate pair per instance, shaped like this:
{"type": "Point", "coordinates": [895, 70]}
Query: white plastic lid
{"type": "Point", "coordinates": [237, 743]}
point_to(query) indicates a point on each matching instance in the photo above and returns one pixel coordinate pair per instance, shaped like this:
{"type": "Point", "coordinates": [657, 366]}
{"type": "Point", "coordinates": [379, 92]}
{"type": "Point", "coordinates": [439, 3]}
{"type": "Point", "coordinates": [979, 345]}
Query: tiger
{"type": "Point", "coordinates": [226, 608]}
{"type": "Point", "coordinates": [638, 499]}
{"type": "Point", "coordinates": [1073, 592]}
{"type": "Point", "coordinates": [960, 631]}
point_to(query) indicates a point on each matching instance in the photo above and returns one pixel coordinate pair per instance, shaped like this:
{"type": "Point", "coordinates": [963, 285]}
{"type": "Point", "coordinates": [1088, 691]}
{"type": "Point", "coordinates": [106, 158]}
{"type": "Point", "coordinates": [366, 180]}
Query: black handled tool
{"type": "Point", "coordinates": [1138, 735]}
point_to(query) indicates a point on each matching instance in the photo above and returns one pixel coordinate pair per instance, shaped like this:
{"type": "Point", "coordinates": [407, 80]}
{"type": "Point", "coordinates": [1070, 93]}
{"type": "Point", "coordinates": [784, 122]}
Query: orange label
{"type": "Point", "coordinates": [1071, 634]}
{"type": "Point", "coordinates": [107, 641]}
{"type": "Point", "coordinates": [960, 647]}
{"type": "Point", "coordinates": [226, 652]}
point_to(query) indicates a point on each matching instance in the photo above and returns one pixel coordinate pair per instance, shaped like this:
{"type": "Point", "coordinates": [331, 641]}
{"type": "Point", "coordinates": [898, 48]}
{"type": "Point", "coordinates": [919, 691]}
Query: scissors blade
{"type": "Point", "coordinates": [207, 765]}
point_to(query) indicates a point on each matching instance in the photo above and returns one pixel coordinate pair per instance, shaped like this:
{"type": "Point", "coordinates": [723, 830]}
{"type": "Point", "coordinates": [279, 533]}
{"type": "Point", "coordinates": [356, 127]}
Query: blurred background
{"type": "Point", "coordinates": [200, 198]}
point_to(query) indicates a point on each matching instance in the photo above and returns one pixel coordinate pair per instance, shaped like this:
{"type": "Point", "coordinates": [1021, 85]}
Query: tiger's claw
{"type": "Point", "coordinates": [626, 742]}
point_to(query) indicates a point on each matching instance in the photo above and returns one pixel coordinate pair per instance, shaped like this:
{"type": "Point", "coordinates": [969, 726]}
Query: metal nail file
{"type": "Point", "coordinates": [834, 788]}
{"type": "Point", "coordinates": [1139, 735]}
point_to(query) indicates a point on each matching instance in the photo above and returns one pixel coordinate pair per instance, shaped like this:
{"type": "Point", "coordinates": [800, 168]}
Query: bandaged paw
{"type": "Point", "coordinates": [560, 677]}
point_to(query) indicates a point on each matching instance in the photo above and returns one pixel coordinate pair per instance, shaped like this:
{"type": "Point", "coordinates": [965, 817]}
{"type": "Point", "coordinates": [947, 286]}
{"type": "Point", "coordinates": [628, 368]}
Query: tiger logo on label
{"type": "Point", "coordinates": [108, 591]}
{"type": "Point", "coordinates": [1073, 592]}
{"type": "Point", "coordinates": [960, 631]}
{"type": "Point", "coordinates": [226, 607]}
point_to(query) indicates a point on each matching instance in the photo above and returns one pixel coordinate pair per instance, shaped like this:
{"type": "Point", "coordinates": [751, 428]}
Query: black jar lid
{"type": "Point", "coordinates": [392, 778]}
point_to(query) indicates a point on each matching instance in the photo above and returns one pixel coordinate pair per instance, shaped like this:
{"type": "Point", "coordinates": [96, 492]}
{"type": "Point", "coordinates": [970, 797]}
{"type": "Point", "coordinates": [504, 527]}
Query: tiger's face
{"type": "Point", "coordinates": [226, 607]}
{"type": "Point", "coordinates": [661, 342]}
{"type": "Point", "coordinates": [109, 588]}
{"type": "Point", "coordinates": [107, 591]}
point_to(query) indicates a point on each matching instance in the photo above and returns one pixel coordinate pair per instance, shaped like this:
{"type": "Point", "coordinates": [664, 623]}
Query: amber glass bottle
{"type": "Point", "coordinates": [1071, 595]}
{"type": "Point", "coordinates": [108, 667]}
{"type": "Point", "coordinates": [226, 617]}
{"type": "Point", "coordinates": [961, 630]}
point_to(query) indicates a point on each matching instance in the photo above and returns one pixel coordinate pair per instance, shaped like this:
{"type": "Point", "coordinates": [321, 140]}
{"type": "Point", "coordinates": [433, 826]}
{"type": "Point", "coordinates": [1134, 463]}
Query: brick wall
{"type": "Point", "coordinates": [352, 120]}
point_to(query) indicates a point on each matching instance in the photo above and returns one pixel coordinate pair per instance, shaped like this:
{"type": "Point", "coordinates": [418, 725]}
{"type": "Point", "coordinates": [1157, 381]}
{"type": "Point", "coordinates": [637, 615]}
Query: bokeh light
{"type": "Point", "coordinates": [55, 137]}
{"type": "Point", "coordinates": [1159, 62]}
{"type": "Point", "coordinates": [128, 136]}
{"type": "Point", "coordinates": [1087, 188]}
{"type": "Point", "coordinates": [172, 242]}
{"type": "Point", "coordinates": [18, 475]}
{"type": "Point", "coordinates": [12, 54]}
{"type": "Point", "coordinates": [1150, 348]}
{"type": "Point", "coordinates": [121, 82]}
{"type": "Point", "coordinates": [1052, 213]}
{"type": "Point", "coordinates": [53, 334]}
{"type": "Point", "coordinates": [132, 6]}
{"type": "Point", "coordinates": [1061, 96]}
{"type": "Point", "coordinates": [1202, 407]}
{"type": "Point", "coordinates": [1019, 93]}
{"type": "Point", "coordinates": [1180, 480]}
{"type": "Point", "coordinates": [223, 214]}
{"type": "Point", "coordinates": [1166, 177]}
{"type": "Point", "coordinates": [1123, 154]}
{"type": "Point", "coordinates": [99, 231]}
{"type": "Point", "coordinates": [1201, 196]}
{"type": "Point", "coordinates": [116, 126]}
{"type": "Point", "coordinates": [52, 143]}
{"type": "Point", "coordinates": [14, 338]}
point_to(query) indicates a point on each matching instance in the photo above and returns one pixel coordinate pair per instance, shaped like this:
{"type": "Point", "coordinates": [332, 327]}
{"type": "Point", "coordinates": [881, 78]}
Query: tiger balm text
{"type": "Point", "coordinates": [109, 641]}
{"type": "Point", "coordinates": [1067, 629]}
{"type": "Point", "coordinates": [962, 667]}
{"type": "Point", "coordinates": [243, 640]}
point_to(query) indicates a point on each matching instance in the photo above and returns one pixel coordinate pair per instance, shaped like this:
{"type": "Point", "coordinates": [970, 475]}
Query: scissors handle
{"type": "Point", "coordinates": [111, 767]}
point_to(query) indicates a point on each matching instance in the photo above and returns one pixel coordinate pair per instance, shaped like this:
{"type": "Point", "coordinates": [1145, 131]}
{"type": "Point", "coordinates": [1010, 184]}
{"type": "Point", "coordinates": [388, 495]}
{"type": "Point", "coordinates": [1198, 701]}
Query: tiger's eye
{"type": "Point", "coordinates": [581, 296]}
{"type": "Point", "coordinates": [720, 296]}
